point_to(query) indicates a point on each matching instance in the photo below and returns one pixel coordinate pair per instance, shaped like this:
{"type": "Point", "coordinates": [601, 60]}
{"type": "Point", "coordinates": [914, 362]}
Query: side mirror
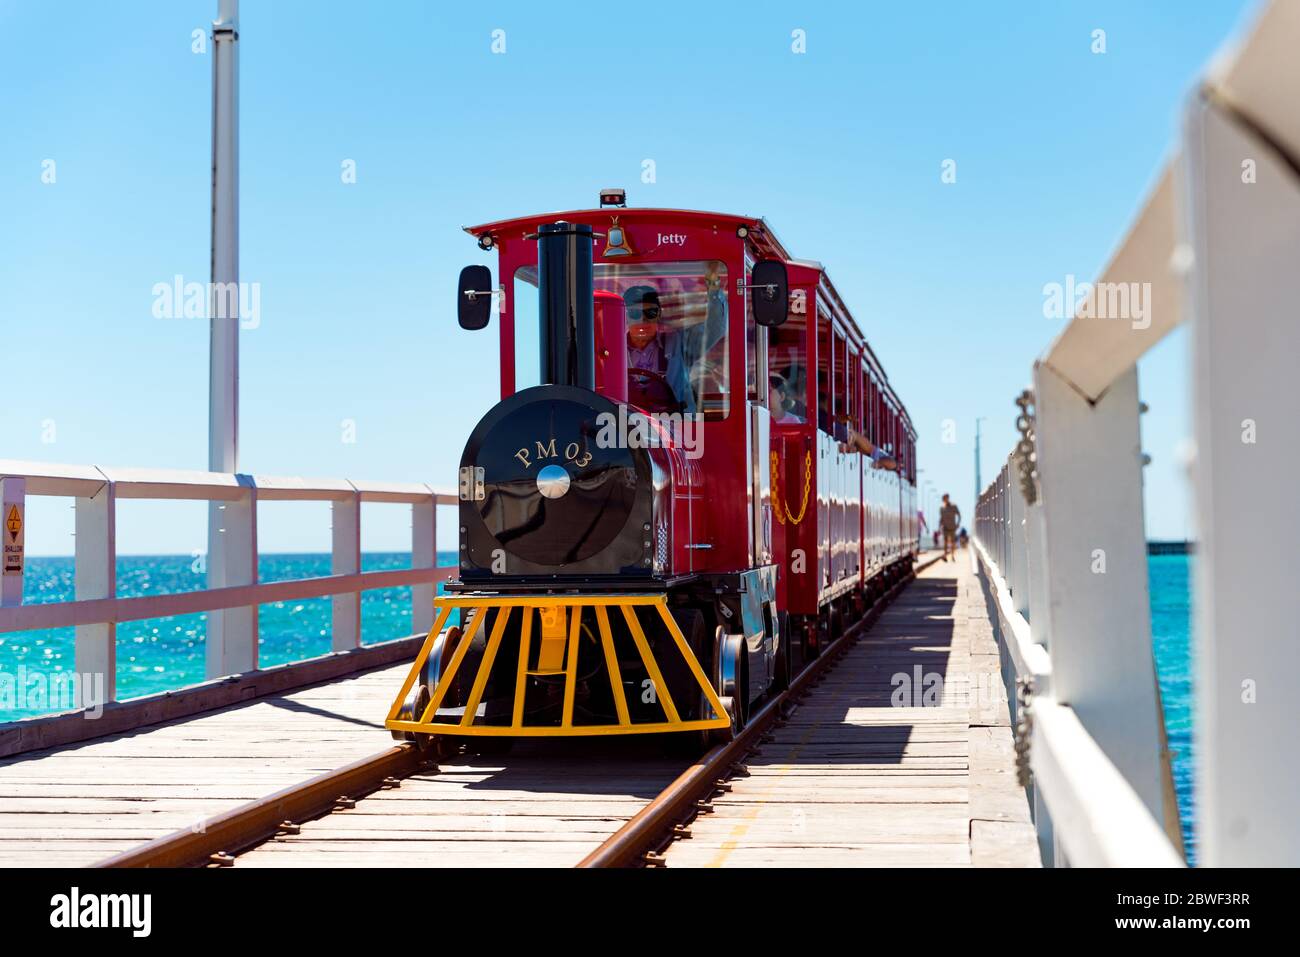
{"type": "Point", "coordinates": [474, 297]}
{"type": "Point", "coordinates": [770, 292]}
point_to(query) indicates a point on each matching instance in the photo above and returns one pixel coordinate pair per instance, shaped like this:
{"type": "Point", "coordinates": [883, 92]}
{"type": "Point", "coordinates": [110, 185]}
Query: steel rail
{"type": "Point", "coordinates": [639, 842]}
{"type": "Point", "coordinates": [218, 839]}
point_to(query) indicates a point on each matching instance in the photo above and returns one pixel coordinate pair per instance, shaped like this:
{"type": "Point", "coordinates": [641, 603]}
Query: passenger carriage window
{"type": "Point", "coordinates": [787, 371]}
{"type": "Point", "coordinates": [855, 406]}
{"type": "Point", "coordinates": [825, 344]}
{"type": "Point", "coordinates": [841, 391]}
{"type": "Point", "coordinates": [872, 432]}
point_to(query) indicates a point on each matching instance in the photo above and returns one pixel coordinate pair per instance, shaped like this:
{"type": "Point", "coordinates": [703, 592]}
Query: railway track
{"type": "Point", "coordinates": [556, 802]}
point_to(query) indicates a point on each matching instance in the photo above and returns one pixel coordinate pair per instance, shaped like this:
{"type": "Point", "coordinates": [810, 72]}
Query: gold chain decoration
{"type": "Point", "coordinates": [780, 507]}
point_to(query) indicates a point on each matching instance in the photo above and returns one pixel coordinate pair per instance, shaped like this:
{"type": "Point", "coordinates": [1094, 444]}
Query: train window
{"type": "Point", "coordinates": [787, 367]}
{"type": "Point", "coordinates": [841, 382]}
{"type": "Point", "coordinates": [756, 344]}
{"type": "Point", "coordinates": [869, 407]}
{"type": "Point", "coordinates": [855, 407]}
{"type": "Point", "coordinates": [528, 355]}
{"type": "Point", "coordinates": [676, 332]}
{"type": "Point", "coordinates": [824, 350]}
{"type": "Point", "coordinates": [676, 314]}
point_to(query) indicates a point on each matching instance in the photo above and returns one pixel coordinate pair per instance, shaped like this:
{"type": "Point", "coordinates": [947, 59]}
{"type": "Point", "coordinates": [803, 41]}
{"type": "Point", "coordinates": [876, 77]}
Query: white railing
{"type": "Point", "coordinates": [1060, 537]}
{"type": "Point", "coordinates": [96, 610]}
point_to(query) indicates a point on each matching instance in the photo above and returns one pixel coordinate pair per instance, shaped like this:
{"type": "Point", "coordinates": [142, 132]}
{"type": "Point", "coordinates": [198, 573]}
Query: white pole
{"type": "Point", "coordinates": [232, 525]}
{"type": "Point", "coordinates": [223, 380]}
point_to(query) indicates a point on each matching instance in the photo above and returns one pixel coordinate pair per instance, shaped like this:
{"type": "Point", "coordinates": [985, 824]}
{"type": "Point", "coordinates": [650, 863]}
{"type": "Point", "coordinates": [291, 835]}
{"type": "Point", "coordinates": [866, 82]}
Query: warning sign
{"type": "Point", "coordinates": [13, 540]}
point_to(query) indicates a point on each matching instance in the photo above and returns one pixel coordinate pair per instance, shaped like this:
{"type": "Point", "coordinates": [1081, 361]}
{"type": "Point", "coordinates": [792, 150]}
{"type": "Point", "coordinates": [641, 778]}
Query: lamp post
{"type": "Point", "coordinates": [232, 525]}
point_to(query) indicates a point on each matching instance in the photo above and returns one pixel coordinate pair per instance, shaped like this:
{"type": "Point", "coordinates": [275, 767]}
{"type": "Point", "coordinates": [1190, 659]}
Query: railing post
{"type": "Point", "coordinates": [1037, 611]}
{"type": "Point", "coordinates": [345, 559]}
{"type": "Point", "coordinates": [1245, 339]}
{"type": "Point", "coordinates": [1090, 475]}
{"type": "Point", "coordinates": [424, 554]}
{"type": "Point", "coordinates": [1002, 522]}
{"type": "Point", "coordinates": [1019, 580]}
{"type": "Point", "coordinates": [13, 516]}
{"type": "Point", "coordinates": [95, 571]}
{"type": "Point", "coordinates": [232, 560]}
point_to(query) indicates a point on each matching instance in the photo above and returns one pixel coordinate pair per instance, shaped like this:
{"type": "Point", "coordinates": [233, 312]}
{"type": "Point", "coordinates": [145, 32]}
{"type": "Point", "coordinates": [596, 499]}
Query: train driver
{"type": "Point", "coordinates": [654, 349]}
{"type": "Point", "coordinates": [645, 351]}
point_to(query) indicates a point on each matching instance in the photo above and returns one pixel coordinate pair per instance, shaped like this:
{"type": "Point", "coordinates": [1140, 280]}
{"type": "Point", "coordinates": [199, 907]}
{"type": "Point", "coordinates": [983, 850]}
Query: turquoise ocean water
{"type": "Point", "coordinates": [161, 654]}
{"type": "Point", "coordinates": [1171, 620]}
{"type": "Point", "coordinates": [166, 653]}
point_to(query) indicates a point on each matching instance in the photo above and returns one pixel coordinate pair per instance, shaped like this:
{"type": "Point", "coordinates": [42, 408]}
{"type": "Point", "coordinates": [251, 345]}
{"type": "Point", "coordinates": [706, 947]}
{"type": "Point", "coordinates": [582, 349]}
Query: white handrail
{"type": "Point", "coordinates": [1085, 809]}
{"type": "Point", "coordinates": [96, 609]}
{"type": "Point", "coordinates": [1098, 818]}
{"type": "Point", "coordinates": [1060, 538]}
{"type": "Point", "coordinates": [1242, 195]}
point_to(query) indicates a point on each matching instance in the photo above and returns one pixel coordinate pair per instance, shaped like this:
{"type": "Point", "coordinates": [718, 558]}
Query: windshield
{"type": "Point", "coordinates": [675, 332]}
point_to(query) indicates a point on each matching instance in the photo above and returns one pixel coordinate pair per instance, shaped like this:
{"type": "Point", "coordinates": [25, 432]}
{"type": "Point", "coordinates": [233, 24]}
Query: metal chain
{"type": "Point", "coordinates": [780, 507]}
{"type": "Point", "coordinates": [1024, 729]}
{"type": "Point", "coordinates": [1027, 447]}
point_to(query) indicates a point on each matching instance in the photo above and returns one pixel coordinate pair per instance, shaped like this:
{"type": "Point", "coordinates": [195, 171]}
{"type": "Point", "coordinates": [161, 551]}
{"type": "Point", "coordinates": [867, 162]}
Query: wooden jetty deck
{"type": "Point", "coordinates": [853, 780]}
{"type": "Point", "coordinates": [850, 779]}
{"type": "Point", "coordinates": [547, 804]}
{"type": "Point", "coordinates": [81, 803]}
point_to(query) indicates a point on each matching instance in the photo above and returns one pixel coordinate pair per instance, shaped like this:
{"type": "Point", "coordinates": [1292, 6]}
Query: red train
{"type": "Point", "coordinates": [697, 474]}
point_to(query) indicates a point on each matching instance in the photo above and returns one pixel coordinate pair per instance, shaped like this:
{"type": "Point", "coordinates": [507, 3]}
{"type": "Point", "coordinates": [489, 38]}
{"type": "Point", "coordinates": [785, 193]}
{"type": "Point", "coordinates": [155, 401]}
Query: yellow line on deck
{"type": "Point", "coordinates": [742, 828]}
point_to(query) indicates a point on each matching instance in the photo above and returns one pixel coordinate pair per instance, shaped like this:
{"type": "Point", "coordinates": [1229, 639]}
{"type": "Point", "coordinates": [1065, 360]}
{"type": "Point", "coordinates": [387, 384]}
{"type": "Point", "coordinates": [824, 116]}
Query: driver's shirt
{"type": "Point", "coordinates": [649, 359]}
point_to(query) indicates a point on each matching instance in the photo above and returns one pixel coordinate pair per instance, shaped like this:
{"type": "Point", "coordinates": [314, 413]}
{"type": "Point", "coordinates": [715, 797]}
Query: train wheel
{"type": "Point", "coordinates": [819, 634]}
{"type": "Point", "coordinates": [691, 623]}
{"type": "Point", "coordinates": [404, 713]}
{"type": "Point", "coordinates": [836, 622]}
{"type": "Point", "coordinates": [723, 735]}
{"type": "Point", "coordinates": [425, 742]}
{"type": "Point", "coordinates": [731, 679]}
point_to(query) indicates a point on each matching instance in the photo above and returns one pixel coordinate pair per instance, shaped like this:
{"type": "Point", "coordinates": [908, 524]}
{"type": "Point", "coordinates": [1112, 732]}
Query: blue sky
{"type": "Point", "coordinates": [840, 148]}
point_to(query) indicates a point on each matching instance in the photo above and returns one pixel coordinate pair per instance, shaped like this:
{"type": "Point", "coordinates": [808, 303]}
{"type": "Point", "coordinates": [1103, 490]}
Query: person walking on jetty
{"type": "Point", "coordinates": [949, 520]}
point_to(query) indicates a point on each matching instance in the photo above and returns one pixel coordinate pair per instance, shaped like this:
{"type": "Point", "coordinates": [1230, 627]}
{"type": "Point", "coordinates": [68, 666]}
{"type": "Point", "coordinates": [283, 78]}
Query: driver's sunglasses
{"type": "Point", "coordinates": [643, 312]}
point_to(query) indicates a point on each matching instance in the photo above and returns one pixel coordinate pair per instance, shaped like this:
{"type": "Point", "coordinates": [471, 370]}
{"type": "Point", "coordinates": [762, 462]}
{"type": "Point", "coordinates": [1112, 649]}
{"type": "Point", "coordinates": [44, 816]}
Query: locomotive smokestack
{"type": "Point", "coordinates": [568, 338]}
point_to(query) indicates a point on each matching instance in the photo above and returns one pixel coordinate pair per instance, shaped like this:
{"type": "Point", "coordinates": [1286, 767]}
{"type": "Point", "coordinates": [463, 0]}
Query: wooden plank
{"type": "Point", "coordinates": [851, 780]}
{"type": "Point", "coordinates": [84, 801]}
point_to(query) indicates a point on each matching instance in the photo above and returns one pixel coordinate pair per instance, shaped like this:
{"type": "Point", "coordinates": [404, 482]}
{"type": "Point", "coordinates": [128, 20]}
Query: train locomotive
{"type": "Point", "coordinates": [696, 478]}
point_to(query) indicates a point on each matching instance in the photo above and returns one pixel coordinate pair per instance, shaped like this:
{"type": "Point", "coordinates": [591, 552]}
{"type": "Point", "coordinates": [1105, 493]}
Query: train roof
{"type": "Point", "coordinates": [761, 236]}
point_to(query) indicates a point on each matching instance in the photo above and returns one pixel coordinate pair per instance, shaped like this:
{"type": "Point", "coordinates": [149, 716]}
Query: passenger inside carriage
{"type": "Point", "coordinates": [779, 401]}
{"type": "Point", "coordinates": [851, 440]}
